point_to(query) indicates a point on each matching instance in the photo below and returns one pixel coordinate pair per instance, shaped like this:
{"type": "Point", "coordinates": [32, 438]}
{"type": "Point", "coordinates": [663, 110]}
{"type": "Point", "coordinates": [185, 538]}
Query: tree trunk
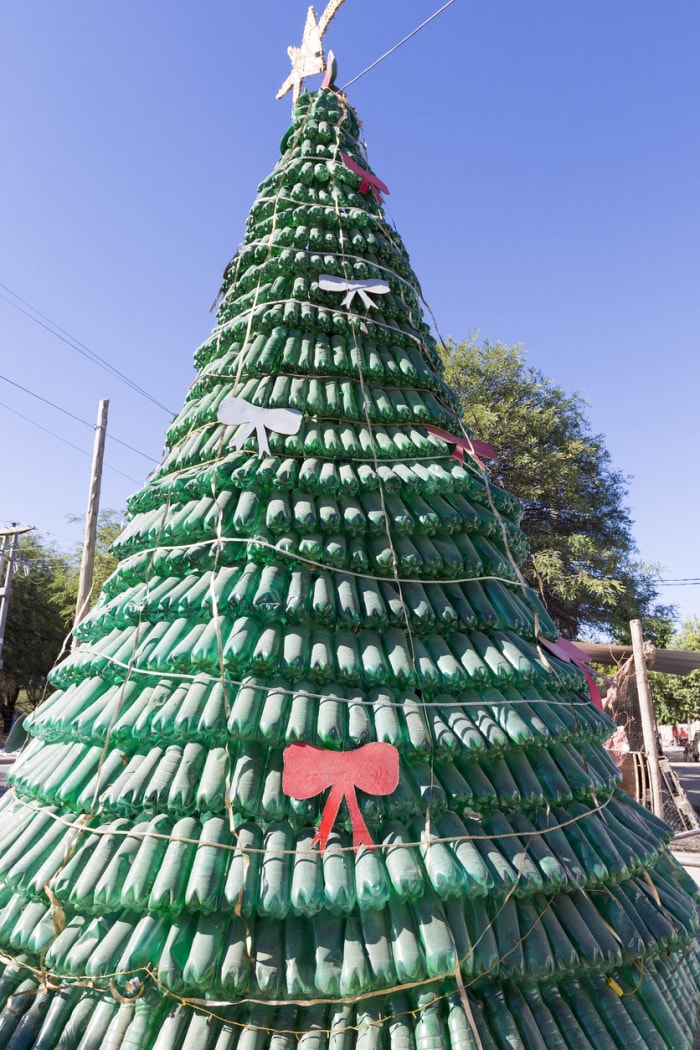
{"type": "Point", "coordinates": [8, 703]}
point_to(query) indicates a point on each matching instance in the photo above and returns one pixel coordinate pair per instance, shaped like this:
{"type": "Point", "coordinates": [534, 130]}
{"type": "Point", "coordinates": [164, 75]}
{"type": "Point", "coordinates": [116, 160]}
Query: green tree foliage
{"type": "Point", "coordinates": [42, 609]}
{"type": "Point", "coordinates": [677, 697]}
{"type": "Point", "coordinates": [37, 623]}
{"type": "Point", "coordinates": [582, 554]}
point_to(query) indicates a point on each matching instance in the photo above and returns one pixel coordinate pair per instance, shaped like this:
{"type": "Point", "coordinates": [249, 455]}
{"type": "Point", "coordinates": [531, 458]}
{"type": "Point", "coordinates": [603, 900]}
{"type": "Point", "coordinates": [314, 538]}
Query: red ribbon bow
{"type": "Point", "coordinates": [309, 770]}
{"type": "Point", "coordinates": [469, 445]}
{"type": "Point", "coordinates": [369, 181]}
{"type": "Point", "coordinates": [571, 654]}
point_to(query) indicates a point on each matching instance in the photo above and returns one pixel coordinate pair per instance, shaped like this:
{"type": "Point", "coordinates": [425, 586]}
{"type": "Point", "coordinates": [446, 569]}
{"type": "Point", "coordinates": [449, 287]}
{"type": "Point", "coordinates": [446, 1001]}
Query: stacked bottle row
{"type": "Point", "coordinates": [390, 557]}
{"type": "Point", "coordinates": [491, 725]}
{"type": "Point", "coordinates": [500, 856]}
{"type": "Point", "coordinates": [581, 1012]}
{"type": "Point", "coordinates": [186, 778]}
{"type": "Point", "coordinates": [351, 402]}
{"type": "Point", "coordinates": [243, 646]}
{"type": "Point", "coordinates": [357, 376]}
{"type": "Point", "coordinates": [236, 470]}
{"type": "Point", "coordinates": [331, 599]}
{"type": "Point", "coordinates": [323, 438]}
{"type": "Point", "coordinates": [448, 521]}
{"type": "Point", "coordinates": [200, 954]}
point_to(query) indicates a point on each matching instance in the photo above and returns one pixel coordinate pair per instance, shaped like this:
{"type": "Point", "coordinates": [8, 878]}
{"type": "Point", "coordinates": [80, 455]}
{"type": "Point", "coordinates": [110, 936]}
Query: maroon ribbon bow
{"type": "Point", "coordinates": [571, 654]}
{"type": "Point", "coordinates": [369, 181]}
{"type": "Point", "coordinates": [469, 445]}
{"type": "Point", "coordinates": [309, 770]}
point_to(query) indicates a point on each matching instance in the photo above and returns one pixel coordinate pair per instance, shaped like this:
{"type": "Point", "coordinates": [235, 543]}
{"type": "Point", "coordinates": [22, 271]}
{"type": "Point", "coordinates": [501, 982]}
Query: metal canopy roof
{"type": "Point", "coordinates": [669, 661]}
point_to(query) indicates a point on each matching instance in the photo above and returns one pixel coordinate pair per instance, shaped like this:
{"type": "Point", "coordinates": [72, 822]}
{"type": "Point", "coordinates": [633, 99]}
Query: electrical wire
{"type": "Point", "coordinates": [397, 46]}
{"type": "Point", "coordinates": [77, 418]}
{"type": "Point", "coordinates": [44, 532]}
{"type": "Point", "coordinates": [65, 441]}
{"type": "Point", "coordinates": [75, 344]}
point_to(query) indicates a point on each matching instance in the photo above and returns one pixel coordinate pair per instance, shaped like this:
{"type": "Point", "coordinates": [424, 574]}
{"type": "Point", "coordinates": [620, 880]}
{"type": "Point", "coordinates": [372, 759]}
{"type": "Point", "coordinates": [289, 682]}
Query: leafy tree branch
{"type": "Point", "coordinates": [583, 559]}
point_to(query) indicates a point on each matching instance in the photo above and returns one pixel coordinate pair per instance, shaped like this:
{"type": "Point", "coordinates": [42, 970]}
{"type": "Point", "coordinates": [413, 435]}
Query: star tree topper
{"type": "Point", "coordinates": [309, 58]}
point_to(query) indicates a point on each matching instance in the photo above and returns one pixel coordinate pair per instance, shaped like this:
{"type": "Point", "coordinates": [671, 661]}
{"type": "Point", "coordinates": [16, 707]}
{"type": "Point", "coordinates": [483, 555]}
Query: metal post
{"type": "Point", "coordinates": [7, 555]}
{"type": "Point", "coordinates": [88, 558]}
{"type": "Point", "coordinates": [646, 711]}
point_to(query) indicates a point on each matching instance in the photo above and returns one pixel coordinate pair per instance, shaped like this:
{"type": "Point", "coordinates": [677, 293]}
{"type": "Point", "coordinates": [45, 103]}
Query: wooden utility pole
{"type": "Point", "coordinates": [646, 712]}
{"type": "Point", "coordinates": [87, 562]}
{"type": "Point", "coordinates": [8, 547]}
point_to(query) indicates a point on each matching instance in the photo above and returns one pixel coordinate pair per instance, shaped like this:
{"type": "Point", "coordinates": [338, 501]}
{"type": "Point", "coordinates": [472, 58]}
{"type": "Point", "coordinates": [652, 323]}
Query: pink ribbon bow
{"type": "Point", "coordinates": [469, 445]}
{"type": "Point", "coordinates": [369, 181]}
{"type": "Point", "coordinates": [571, 654]}
{"type": "Point", "coordinates": [309, 770]}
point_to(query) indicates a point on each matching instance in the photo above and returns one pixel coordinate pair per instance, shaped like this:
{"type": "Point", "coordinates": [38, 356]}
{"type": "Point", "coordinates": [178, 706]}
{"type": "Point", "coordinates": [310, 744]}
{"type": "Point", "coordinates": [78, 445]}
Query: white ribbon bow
{"type": "Point", "coordinates": [329, 283]}
{"type": "Point", "coordinates": [234, 411]}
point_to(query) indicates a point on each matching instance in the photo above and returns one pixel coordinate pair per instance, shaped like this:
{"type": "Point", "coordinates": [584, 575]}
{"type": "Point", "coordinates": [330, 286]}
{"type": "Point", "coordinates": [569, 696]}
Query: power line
{"type": "Point", "coordinates": [65, 442]}
{"type": "Point", "coordinates": [77, 418]}
{"type": "Point", "coordinates": [55, 535]}
{"type": "Point", "coordinates": [397, 46]}
{"type": "Point", "coordinates": [75, 344]}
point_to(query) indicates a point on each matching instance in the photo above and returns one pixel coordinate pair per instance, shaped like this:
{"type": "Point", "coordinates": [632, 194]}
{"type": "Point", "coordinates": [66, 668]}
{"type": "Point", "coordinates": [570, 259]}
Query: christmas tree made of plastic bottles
{"type": "Point", "coordinates": [312, 775]}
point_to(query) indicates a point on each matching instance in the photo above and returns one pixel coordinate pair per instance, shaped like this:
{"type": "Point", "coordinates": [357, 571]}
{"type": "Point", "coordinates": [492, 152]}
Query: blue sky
{"type": "Point", "coordinates": [543, 159]}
